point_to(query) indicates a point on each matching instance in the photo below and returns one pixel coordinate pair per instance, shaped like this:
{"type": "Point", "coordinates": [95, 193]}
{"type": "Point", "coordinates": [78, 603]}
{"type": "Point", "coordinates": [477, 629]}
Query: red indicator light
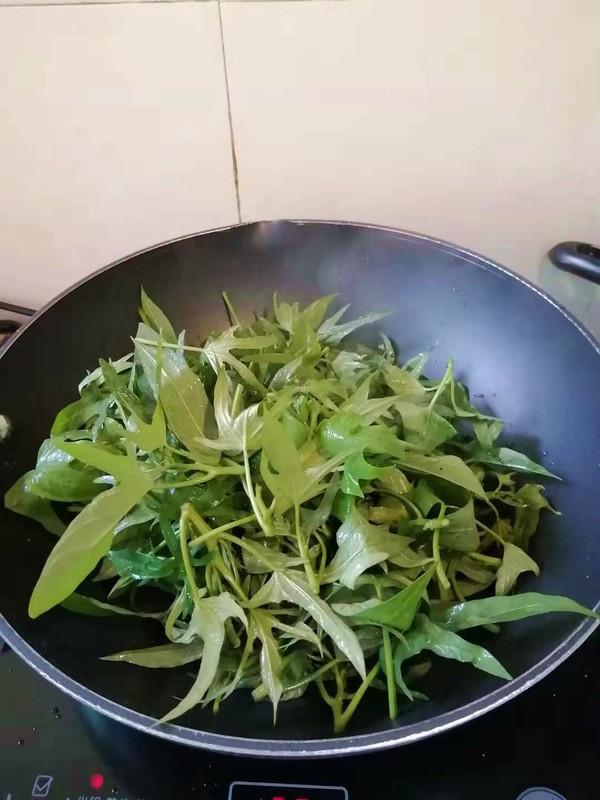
{"type": "Point", "coordinates": [97, 781]}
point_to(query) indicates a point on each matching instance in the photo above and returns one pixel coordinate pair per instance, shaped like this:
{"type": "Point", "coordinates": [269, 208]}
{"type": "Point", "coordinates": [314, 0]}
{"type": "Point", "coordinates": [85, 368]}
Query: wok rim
{"type": "Point", "coordinates": [305, 748]}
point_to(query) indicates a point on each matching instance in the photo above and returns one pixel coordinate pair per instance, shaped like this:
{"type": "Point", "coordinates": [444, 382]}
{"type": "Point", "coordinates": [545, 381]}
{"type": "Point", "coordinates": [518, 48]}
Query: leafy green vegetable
{"type": "Point", "coordinates": [22, 499]}
{"type": "Point", "coordinates": [491, 610]}
{"type": "Point", "coordinates": [313, 514]}
{"type": "Point", "coordinates": [165, 656]}
{"type": "Point", "coordinates": [57, 477]}
{"type": "Point", "coordinates": [426, 635]}
{"type": "Point", "coordinates": [84, 543]}
{"type": "Point", "coordinates": [208, 624]}
{"type": "Point", "coordinates": [514, 563]}
{"type": "Point", "coordinates": [510, 459]}
{"type": "Point", "coordinates": [399, 611]}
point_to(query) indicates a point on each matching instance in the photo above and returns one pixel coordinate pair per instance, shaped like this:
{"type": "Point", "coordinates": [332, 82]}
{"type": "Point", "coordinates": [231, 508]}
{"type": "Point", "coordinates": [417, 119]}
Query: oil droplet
{"type": "Point", "coordinates": [20, 742]}
{"type": "Point", "coordinates": [58, 716]}
{"type": "Point", "coordinates": [34, 728]}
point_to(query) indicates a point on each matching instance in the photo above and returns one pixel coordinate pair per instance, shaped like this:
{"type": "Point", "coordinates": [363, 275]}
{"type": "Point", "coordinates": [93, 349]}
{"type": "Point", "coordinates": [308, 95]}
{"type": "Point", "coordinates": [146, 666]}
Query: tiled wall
{"type": "Point", "coordinates": [477, 121]}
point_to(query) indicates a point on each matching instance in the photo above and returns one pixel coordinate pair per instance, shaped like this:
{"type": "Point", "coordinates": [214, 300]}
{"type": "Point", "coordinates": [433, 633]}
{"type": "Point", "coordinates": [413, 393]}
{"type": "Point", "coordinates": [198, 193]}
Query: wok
{"type": "Point", "coordinates": [534, 365]}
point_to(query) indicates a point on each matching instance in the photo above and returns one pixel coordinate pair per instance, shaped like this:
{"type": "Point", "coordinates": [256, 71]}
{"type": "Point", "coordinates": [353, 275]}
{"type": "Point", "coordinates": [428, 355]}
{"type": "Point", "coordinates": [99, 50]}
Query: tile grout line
{"type": "Point", "coordinates": [236, 180]}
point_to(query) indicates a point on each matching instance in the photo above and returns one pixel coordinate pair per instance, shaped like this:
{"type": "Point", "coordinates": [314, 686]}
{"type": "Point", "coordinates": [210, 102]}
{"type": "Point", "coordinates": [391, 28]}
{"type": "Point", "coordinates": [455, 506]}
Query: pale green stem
{"type": "Point", "coordinates": [345, 716]}
{"type": "Point", "coordinates": [442, 385]}
{"type": "Point", "coordinates": [493, 562]}
{"type": "Point", "coordinates": [185, 553]}
{"type": "Point", "coordinates": [491, 532]}
{"type": "Point", "coordinates": [226, 527]}
{"type": "Point", "coordinates": [391, 679]}
{"type": "Point", "coordinates": [303, 546]}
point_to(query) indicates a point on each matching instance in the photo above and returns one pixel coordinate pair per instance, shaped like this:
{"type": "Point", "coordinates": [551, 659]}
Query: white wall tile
{"type": "Point", "coordinates": [113, 136]}
{"type": "Point", "coordinates": [473, 121]}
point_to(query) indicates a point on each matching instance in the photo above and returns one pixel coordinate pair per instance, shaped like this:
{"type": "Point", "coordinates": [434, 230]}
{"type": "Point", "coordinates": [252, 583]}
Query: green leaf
{"type": "Point", "coordinates": [346, 432]}
{"type": "Point", "coordinates": [218, 352]}
{"type": "Point", "coordinates": [447, 468]}
{"type": "Point", "coordinates": [527, 515]}
{"type": "Point", "coordinates": [233, 424]}
{"type": "Point", "coordinates": [490, 610]}
{"type": "Point", "coordinates": [461, 531]}
{"type": "Point", "coordinates": [290, 317]}
{"type": "Point", "coordinates": [290, 586]}
{"type": "Point", "coordinates": [404, 383]}
{"type": "Point", "coordinates": [514, 563]}
{"type": "Point", "coordinates": [368, 409]}
{"type": "Point", "coordinates": [262, 559]}
{"type": "Point", "coordinates": [290, 484]}
{"type": "Point", "coordinates": [361, 546]}
{"type": "Point", "coordinates": [357, 469]}
{"type": "Point", "coordinates": [181, 392]}
{"type": "Point", "coordinates": [399, 611]}
{"type": "Point", "coordinates": [57, 477]}
{"type": "Point", "coordinates": [271, 663]}
{"type": "Point", "coordinates": [148, 437]}
{"type": "Point", "coordinates": [142, 566]}
{"type": "Point", "coordinates": [84, 543]}
{"type": "Point", "coordinates": [424, 497]}
{"type": "Point", "coordinates": [21, 499]}
{"type": "Point", "coordinates": [487, 432]}
{"type": "Point", "coordinates": [118, 386]}
{"type": "Point", "coordinates": [459, 401]}
{"type": "Point", "coordinates": [510, 459]}
{"type": "Point", "coordinates": [91, 607]}
{"type": "Point", "coordinates": [123, 364]}
{"type": "Point", "coordinates": [332, 333]}
{"type": "Point", "coordinates": [97, 456]}
{"type": "Point", "coordinates": [156, 319]}
{"type": "Point", "coordinates": [78, 414]}
{"type": "Point", "coordinates": [208, 623]}
{"type": "Point", "coordinates": [165, 656]}
{"type": "Point", "coordinates": [425, 635]}
{"type": "Point", "coordinates": [423, 427]}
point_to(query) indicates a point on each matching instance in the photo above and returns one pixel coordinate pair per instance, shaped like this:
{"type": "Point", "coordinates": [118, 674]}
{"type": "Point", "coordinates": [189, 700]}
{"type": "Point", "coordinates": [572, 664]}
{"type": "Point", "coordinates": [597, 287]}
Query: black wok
{"type": "Point", "coordinates": [531, 362]}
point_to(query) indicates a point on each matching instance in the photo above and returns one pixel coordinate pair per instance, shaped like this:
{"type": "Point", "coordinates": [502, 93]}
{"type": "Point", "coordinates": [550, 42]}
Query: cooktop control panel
{"type": "Point", "coordinates": [283, 791]}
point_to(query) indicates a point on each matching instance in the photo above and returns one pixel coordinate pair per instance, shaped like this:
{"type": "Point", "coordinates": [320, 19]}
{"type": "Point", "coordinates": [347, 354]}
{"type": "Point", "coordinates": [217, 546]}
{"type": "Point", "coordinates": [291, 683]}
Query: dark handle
{"type": "Point", "coordinates": [8, 326]}
{"type": "Point", "coordinates": [577, 258]}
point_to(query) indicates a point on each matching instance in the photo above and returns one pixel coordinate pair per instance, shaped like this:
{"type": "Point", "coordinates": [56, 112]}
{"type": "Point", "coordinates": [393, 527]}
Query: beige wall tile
{"type": "Point", "coordinates": [113, 136]}
{"type": "Point", "coordinates": [82, 2]}
{"type": "Point", "coordinates": [473, 121]}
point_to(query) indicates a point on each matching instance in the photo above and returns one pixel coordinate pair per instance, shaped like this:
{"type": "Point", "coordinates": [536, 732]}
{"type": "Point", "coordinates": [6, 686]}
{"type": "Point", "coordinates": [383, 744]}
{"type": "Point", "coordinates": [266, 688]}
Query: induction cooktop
{"type": "Point", "coordinates": [543, 745]}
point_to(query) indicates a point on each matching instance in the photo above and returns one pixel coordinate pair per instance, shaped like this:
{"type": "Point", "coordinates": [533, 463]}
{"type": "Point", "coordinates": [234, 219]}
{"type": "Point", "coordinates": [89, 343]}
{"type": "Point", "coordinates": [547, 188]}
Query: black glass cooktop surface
{"type": "Point", "coordinates": [544, 745]}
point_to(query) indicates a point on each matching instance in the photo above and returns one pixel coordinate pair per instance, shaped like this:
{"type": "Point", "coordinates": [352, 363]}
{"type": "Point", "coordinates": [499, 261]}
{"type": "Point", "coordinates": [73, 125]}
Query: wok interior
{"type": "Point", "coordinates": [532, 365]}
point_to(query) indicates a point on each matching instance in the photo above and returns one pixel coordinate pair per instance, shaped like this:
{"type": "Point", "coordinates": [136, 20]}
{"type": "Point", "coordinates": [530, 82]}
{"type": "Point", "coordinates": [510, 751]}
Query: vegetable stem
{"type": "Point", "coordinates": [303, 547]}
{"type": "Point", "coordinates": [391, 678]}
{"type": "Point", "coordinates": [345, 716]}
{"type": "Point", "coordinates": [491, 560]}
